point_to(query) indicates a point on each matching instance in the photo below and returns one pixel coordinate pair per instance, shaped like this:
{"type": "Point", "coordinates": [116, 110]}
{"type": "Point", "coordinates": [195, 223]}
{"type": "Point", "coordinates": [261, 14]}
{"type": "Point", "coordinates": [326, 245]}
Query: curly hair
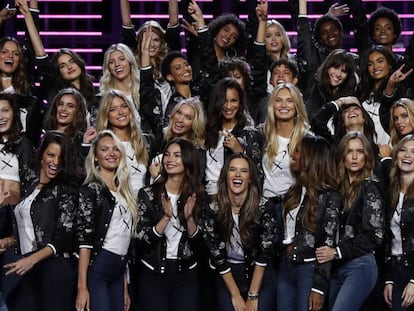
{"type": "Point", "coordinates": [386, 13]}
{"type": "Point", "coordinates": [219, 22]}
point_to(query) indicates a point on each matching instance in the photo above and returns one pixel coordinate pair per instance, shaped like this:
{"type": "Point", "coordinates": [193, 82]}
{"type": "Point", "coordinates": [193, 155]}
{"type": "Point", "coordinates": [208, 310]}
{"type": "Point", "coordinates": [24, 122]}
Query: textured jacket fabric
{"type": "Point", "coordinates": [264, 234]}
{"type": "Point", "coordinates": [53, 213]}
{"type": "Point", "coordinates": [96, 206]}
{"type": "Point", "coordinates": [306, 242]}
{"type": "Point", "coordinates": [362, 227]}
{"type": "Point", "coordinates": [152, 247]}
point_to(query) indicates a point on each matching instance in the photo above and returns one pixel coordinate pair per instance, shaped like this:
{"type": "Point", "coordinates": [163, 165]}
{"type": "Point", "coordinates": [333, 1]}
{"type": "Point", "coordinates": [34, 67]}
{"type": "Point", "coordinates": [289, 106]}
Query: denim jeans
{"type": "Point", "coordinates": [3, 306]}
{"type": "Point", "coordinates": [106, 282]}
{"type": "Point", "coordinates": [294, 284]}
{"type": "Point", "coordinates": [173, 290]}
{"type": "Point", "coordinates": [266, 294]}
{"type": "Point", "coordinates": [352, 282]}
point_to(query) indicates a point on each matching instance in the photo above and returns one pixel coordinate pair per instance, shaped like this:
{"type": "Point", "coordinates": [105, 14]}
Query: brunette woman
{"type": "Point", "coordinates": [44, 232]}
{"type": "Point", "coordinates": [168, 234]}
{"type": "Point", "coordinates": [361, 226]}
{"type": "Point", "coordinates": [399, 277]}
{"type": "Point", "coordinates": [239, 228]}
{"type": "Point", "coordinates": [105, 223]}
{"type": "Point", "coordinates": [382, 83]}
{"type": "Point", "coordinates": [310, 217]}
{"type": "Point", "coordinates": [228, 131]}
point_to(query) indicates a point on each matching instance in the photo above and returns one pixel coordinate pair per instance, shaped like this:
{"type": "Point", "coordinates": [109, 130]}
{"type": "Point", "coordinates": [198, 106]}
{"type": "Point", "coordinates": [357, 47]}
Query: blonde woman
{"type": "Point", "coordinates": [286, 123]}
{"type": "Point", "coordinates": [116, 114]}
{"type": "Point", "coordinates": [106, 218]}
{"type": "Point", "coordinates": [402, 119]}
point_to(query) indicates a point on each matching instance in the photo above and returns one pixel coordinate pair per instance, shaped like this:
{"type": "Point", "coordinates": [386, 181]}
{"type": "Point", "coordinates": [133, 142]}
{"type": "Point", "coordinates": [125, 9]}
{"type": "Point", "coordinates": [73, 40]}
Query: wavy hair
{"type": "Point", "coordinates": [271, 123]}
{"type": "Point", "coordinates": [136, 138]}
{"type": "Point", "coordinates": [78, 124]}
{"type": "Point", "coordinates": [107, 80]}
{"type": "Point", "coordinates": [214, 115]}
{"type": "Point", "coordinates": [349, 190]}
{"type": "Point", "coordinates": [191, 181]}
{"type": "Point", "coordinates": [86, 87]}
{"type": "Point", "coordinates": [408, 105]}
{"type": "Point", "coordinates": [198, 132]}
{"type": "Point", "coordinates": [317, 162]}
{"type": "Point", "coordinates": [395, 174]}
{"type": "Point", "coordinates": [121, 177]}
{"type": "Point", "coordinates": [220, 21]}
{"type": "Point", "coordinates": [19, 77]}
{"type": "Point", "coordinates": [249, 211]}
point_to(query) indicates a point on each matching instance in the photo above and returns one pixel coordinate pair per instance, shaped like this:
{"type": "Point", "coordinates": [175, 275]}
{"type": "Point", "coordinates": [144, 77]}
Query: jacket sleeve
{"type": "Point", "coordinates": [331, 203]}
{"type": "Point", "coordinates": [214, 240]}
{"type": "Point", "coordinates": [65, 227]}
{"type": "Point", "coordinates": [319, 123]}
{"type": "Point", "coordinates": [267, 232]}
{"type": "Point", "coordinates": [86, 217]}
{"type": "Point", "coordinates": [148, 217]}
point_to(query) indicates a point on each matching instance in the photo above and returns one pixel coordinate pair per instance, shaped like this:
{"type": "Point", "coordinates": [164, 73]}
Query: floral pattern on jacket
{"type": "Point", "coordinates": [264, 235]}
{"type": "Point", "coordinates": [362, 227]}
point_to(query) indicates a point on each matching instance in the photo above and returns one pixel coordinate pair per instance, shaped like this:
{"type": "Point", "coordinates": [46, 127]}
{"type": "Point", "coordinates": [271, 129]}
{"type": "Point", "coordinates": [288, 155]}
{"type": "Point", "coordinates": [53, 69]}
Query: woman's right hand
{"type": "Point", "coordinates": [388, 294]}
{"type": "Point", "coordinates": [82, 300]}
{"type": "Point", "coordinates": [238, 303]}
{"type": "Point", "coordinates": [89, 135]}
{"type": "Point", "coordinates": [166, 205]}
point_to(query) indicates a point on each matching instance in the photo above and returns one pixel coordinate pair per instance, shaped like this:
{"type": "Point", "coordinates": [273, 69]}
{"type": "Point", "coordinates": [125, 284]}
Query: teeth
{"type": "Point", "coordinates": [8, 62]}
{"type": "Point", "coordinates": [237, 181]}
{"type": "Point", "coordinates": [2, 123]}
{"type": "Point", "coordinates": [406, 161]}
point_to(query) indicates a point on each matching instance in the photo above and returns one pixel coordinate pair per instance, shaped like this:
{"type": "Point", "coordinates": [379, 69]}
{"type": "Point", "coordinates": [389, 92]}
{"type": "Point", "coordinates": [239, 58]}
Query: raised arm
{"type": "Point", "coordinates": [172, 12]}
{"type": "Point", "coordinates": [125, 13]}
{"type": "Point", "coordinates": [37, 44]}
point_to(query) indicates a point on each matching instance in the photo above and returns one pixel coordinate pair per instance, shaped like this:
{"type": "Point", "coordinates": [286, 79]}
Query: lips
{"type": "Point", "coordinates": [9, 62]}
{"type": "Point", "coordinates": [237, 182]}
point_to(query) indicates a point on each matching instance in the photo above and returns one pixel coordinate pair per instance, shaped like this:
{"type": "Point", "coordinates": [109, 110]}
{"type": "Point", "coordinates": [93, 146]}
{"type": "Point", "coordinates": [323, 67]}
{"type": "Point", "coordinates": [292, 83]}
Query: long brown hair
{"type": "Point", "coordinates": [249, 212]}
{"type": "Point", "coordinates": [349, 190]}
{"type": "Point", "coordinates": [317, 173]}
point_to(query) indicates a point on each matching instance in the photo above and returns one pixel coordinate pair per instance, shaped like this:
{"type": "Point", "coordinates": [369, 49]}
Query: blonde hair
{"type": "Point", "coordinates": [198, 132]}
{"type": "Point", "coordinates": [121, 177]}
{"type": "Point", "coordinates": [135, 136]}
{"type": "Point", "coordinates": [107, 80]}
{"type": "Point", "coordinates": [408, 104]}
{"type": "Point", "coordinates": [270, 126]}
{"type": "Point", "coordinates": [284, 52]}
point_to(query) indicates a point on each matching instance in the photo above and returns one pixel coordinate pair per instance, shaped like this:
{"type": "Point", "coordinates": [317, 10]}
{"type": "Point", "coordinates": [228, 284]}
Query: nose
{"type": "Point", "coordinates": [227, 104]}
{"type": "Point", "coordinates": [237, 172]}
{"type": "Point", "coordinates": [354, 155]}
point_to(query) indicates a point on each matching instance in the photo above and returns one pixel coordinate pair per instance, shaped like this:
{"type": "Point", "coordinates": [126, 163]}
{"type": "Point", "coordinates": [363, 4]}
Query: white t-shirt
{"type": "Point", "coordinates": [137, 170]}
{"type": "Point", "coordinates": [174, 230]}
{"type": "Point", "coordinates": [278, 178]}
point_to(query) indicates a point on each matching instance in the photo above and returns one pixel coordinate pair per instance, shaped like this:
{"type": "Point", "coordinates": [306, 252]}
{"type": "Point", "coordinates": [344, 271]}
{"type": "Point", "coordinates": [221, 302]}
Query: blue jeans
{"type": "Point", "coordinates": [266, 294]}
{"type": "Point", "coordinates": [106, 282]}
{"type": "Point", "coordinates": [173, 290]}
{"type": "Point", "coordinates": [352, 283]}
{"type": "Point", "coordinates": [294, 284]}
{"type": "Point", "coordinates": [3, 306]}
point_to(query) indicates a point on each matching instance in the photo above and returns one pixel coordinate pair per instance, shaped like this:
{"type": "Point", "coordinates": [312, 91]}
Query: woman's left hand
{"type": "Point", "coordinates": [408, 295]}
{"type": "Point", "coordinates": [21, 266]}
{"type": "Point", "coordinates": [231, 141]}
{"type": "Point", "coordinates": [127, 300]}
{"type": "Point", "coordinates": [315, 301]}
{"type": "Point", "coordinates": [252, 305]}
{"type": "Point", "coordinates": [325, 254]}
{"type": "Point", "coordinates": [189, 206]}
